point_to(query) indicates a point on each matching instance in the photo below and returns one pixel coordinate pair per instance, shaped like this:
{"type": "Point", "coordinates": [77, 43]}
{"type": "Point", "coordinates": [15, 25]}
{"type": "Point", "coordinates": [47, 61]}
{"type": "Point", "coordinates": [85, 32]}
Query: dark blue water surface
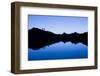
{"type": "Point", "coordinates": [59, 50]}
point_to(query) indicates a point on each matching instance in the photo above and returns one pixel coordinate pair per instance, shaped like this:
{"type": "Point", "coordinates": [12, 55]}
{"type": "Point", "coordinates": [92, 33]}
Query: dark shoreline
{"type": "Point", "coordinates": [38, 38]}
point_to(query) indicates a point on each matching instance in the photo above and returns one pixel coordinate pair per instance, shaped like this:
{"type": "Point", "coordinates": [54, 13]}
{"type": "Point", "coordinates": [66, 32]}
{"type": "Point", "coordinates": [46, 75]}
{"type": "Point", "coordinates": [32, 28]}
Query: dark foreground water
{"type": "Point", "coordinates": [59, 50]}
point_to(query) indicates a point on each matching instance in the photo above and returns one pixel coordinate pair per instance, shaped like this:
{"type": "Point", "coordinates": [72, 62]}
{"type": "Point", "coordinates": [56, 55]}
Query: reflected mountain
{"type": "Point", "coordinates": [39, 38]}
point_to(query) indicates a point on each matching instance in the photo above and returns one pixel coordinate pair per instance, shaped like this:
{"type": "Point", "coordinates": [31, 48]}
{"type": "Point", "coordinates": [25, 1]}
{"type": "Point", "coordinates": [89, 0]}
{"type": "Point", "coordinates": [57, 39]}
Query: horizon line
{"type": "Point", "coordinates": [57, 33]}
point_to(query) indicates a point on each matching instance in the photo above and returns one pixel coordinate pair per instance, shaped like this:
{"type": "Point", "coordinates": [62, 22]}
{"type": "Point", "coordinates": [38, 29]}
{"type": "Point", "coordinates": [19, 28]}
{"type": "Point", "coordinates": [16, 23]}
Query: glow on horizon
{"type": "Point", "coordinates": [59, 24]}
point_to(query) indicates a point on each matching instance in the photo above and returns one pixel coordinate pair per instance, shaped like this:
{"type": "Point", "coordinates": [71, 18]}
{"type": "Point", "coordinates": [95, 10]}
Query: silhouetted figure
{"type": "Point", "coordinates": [43, 29]}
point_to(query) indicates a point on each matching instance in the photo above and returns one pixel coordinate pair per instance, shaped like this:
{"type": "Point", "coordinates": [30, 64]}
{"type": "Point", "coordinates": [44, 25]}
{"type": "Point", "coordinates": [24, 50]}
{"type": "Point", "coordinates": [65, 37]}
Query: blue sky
{"type": "Point", "coordinates": [59, 24]}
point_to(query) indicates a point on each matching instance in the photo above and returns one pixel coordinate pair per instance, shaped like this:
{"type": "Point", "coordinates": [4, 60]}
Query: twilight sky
{"type": "Point", "coordinates": [59, 24]}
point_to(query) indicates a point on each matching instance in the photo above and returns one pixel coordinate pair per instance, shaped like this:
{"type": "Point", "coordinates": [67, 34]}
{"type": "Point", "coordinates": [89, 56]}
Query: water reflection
{"type": "Point", "coordinates": [38, 38]}
{"type": "Point", "coordinates": [59, 50]}
{"type": "Point", "coordinates": [39, 44]}
{"type": "Point", "coordinates": [46, 45]}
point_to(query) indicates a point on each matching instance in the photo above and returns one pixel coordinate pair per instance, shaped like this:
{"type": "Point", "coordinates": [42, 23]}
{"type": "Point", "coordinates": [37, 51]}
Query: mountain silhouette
{"type": "Point", "coordinates": [39, 38]}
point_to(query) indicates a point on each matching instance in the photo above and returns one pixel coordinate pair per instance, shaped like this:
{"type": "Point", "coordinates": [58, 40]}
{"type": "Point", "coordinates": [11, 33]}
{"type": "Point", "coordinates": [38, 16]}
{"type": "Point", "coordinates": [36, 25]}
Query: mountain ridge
{"type": "Point", "coordinates": [39, 38]}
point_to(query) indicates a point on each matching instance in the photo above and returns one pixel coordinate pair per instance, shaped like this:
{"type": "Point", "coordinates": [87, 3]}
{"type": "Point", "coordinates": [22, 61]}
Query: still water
{"type": "Point", "coordinates": [59, 50]}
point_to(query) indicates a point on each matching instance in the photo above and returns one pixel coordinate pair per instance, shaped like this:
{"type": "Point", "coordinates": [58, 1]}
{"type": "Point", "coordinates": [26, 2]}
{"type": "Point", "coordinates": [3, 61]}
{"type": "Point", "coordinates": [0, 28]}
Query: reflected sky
{"type": "Point", "coordinates": [59, 50]}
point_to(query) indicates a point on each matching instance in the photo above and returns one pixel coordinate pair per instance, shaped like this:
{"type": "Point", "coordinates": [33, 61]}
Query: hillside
{"type": "Point", "coordinates": [39, 38]}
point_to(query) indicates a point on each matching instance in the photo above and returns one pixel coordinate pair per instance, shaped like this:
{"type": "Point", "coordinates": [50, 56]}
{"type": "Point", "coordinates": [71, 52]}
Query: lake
{"type": "Point", "coordinates": [59, 50]}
